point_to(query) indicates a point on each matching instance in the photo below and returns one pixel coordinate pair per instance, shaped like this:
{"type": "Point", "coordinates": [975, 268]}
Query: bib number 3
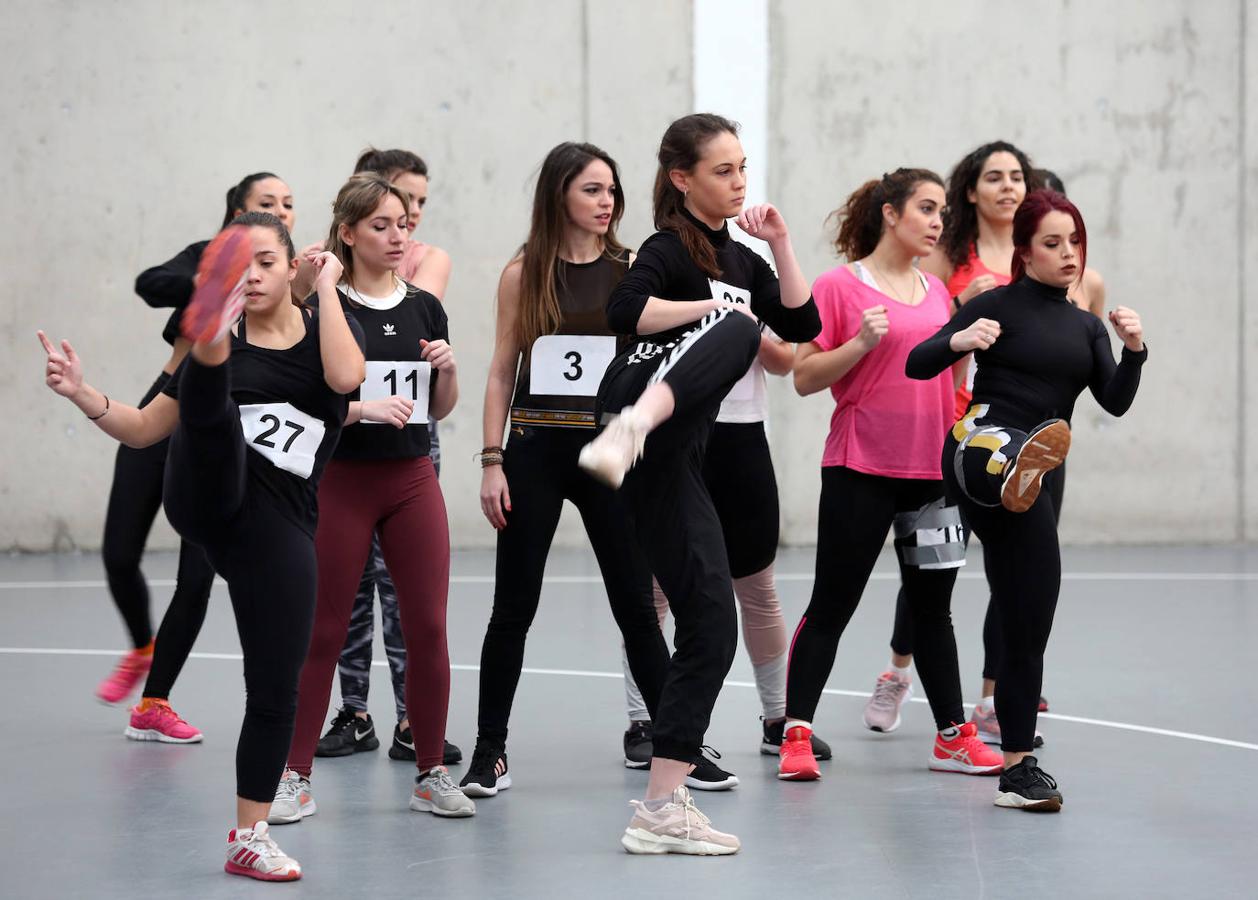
{"type": "Point", "coordinates": [399, 379]}
{"type": "Point", "coordinates": [570, 365]}
{"type": "Point", "coordinates": [283, 434]}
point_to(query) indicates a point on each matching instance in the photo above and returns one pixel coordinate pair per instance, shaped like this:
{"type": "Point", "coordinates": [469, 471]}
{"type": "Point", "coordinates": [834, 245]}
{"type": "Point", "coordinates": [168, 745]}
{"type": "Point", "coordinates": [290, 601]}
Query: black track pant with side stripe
{"type": "Point", "coordinates": [676, 524]}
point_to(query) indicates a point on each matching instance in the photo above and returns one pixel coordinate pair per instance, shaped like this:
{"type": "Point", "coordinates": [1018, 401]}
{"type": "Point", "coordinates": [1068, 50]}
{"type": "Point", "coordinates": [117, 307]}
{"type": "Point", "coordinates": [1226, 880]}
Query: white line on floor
{"type": "Point", "coordinates": [780, 576]}
{"type": "Point", "coordinates": [587, 673]}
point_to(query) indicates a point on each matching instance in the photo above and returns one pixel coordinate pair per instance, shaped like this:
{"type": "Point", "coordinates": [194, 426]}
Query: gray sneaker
{"type": "Point", "coordinates": [293, 800]}
{"type": "Point", "coordinates": [678, 827]}
{"type": "Point", "coordinates": [882, 712]}
{"type": "Point", "coordinates": [437, 793]}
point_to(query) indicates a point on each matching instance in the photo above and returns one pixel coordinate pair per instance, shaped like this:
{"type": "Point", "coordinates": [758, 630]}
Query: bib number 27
{"type": "Point", "coordinates": [283, 434]}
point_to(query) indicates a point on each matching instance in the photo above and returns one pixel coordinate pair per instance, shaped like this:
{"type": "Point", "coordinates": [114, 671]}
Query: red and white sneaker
{"type": "Point", "coordinates": [966, 754]}
{"type": "Point", "coordinates": [797, 762]}
{"type": "Point", "coordinates": [251, 852]}
{"type": "Point", "coordinates": [154, 720]}
{"type": "Point", "coordinates": [130, 671]}
{"type": "Point", "coordinates": [220, 286]}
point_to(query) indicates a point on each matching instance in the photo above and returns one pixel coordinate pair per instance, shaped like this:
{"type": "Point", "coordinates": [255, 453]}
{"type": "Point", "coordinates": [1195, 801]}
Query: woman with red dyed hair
{"type": "Point", "coordinates": [1036, 352]}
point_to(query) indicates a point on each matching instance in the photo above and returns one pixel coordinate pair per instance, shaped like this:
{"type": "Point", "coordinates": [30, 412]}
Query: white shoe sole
{"type": "Point", "coordinates": [151, 734]}
{"type": "Point", "coordinates": [307, 810]}
{"type": "Point", "coordinates": [630, 764]}
{"type": "Point", "coordinates": [601, 466]}
{"type": "Point", "coordinates": [1012, 800]}
{"type": "Point", "coordinates": [798, 776]}
{"type": "Point", "coordinates": [953, 765]}
{"type": "Point", "coordinates": [696, 785]}
{"type": "Point", "coordinates": [476, 790]}
{"type": "Point", "coordinates": [418, 804]}
{"type": "Point", "coordinates": [639, 840]}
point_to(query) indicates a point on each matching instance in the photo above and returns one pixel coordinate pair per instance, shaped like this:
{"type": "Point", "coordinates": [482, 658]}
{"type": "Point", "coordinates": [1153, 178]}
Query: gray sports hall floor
{"type": "Point", "coordinates": [1152, 736]}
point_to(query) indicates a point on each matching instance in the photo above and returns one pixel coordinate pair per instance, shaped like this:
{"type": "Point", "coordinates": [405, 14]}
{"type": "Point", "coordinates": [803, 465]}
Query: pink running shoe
{"type": "Point", "coordinates": [797, 761]}
{"type": "Point", "coordinates": [130, 671]}
{"type": "Point", "coordinates": [966, 754]}
{"type": "Point", "coordinates": [154, 720]}
{"type": "Point", "coordinates": [882, 712]}
{"type": "Point", "coordinates": [219, 296]}
{"type": "Point", "coordinates": [251, 852]}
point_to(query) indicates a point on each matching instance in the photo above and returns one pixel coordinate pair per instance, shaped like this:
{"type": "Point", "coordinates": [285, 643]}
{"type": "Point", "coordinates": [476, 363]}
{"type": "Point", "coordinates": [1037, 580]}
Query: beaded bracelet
{"type": "Point", "coordinates": [490, 456]}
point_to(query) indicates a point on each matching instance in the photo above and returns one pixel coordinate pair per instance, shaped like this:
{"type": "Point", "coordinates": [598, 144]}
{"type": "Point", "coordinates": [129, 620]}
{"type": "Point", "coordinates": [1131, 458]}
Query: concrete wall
{"type": "Point", "coordinates": [126, 122]}
{"type": "Point", "coordinates": [1138, 106]}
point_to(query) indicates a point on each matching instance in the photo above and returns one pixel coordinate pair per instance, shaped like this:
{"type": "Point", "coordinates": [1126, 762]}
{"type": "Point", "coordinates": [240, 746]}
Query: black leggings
{"type": "Point", "coordinates": [267, 560]}
{"type": "Point", "coordinates": [676, 524]}
{"type": "Point", "coordinates": [856, 511]}
{"type": "Point", "coordinates": [1023, 564]}
{"type": "Point", "coordinates": [738, 471]}
{"type": "Point", "coordinates": [902, 630]}
{"type": "Point", "coordinates": [540, 465]}
{"type": "Point", "coordinates": [135, 498]}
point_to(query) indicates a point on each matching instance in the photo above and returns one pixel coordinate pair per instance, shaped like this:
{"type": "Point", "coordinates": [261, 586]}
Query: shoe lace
{"type": "Point", "coordinates": [709, 751]}
{"type": "Point", "coordinates": [440, 781]}
{"type": "Point", "coordinates": [288, 788]}
{"type": "Point", "coordinates": [484, 757]}
{"type": "Point", "coordinates": [694, 817]}
{"type": "Point", "coordinates": [264, 845]}
{"type": "Point", "coordinates": [887, 693]}
{"type": "Point", "coordinates": [343, 719]}
{"type": "Point", "coordinates": [1043, 777]}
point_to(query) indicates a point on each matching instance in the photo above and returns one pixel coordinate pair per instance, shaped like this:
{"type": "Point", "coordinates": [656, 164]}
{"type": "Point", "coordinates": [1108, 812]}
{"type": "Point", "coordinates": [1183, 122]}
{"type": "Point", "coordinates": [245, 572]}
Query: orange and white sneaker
{"type": "Point", "coordinates": [1045, 449]}
{"type": "Point", "coordinates": [220, 286]}
{"type": "Point", "coordinates": [966, 754]}
{"type": "Point", "coordinates": [797, 762]}
{"type": "Point", "coordinates": [252, 853]}
{"type": "Point", "coordinates": [293, 801]}
{"type": "Point", "coordinates": [154, 720]}
{"type": "Point", "coordinates": [126, 676]}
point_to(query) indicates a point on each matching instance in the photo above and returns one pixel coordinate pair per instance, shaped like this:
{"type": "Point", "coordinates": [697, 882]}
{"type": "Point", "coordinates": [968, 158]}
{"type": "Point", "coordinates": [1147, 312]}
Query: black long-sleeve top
{"type": "Point", "coordinates": [1048, 352]}
{"type": "Point", "coordinates": [665, 270]}
{"type": "Point", "coordinates": [170, 285]}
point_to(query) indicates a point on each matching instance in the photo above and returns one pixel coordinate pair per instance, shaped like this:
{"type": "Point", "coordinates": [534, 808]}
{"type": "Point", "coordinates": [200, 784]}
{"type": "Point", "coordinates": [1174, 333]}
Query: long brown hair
{"type": "Point", "coordinates": [355, 201]}
{"type": "Point", "coordinates": [681, 148]}
{"type": "Point", "coordinates": [539, 301]}
{"type": "Point", "coordinates": [860, 218]}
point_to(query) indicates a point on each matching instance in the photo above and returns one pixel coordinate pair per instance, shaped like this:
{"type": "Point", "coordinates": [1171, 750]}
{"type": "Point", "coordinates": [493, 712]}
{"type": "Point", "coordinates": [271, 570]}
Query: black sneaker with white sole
{"type": "Point", "coordinates": [708, 776]}
{"type": "Point", "coordinates": [487, 774]}
{"type": "Point", "coordinates": [1027, 786]}
{"type": "Point", "coordinates": [639, 745]}
{"type": "Point", "coordinates": [347, 735]}
{"type": "Point", "coordinates": [771, 743]}
{"type": "Point", "coordinates": [403, 748]}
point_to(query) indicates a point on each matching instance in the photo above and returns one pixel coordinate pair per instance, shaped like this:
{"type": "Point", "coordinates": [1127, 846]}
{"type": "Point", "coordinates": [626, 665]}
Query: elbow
{"type": "Point", "coordinates": [345, 382]}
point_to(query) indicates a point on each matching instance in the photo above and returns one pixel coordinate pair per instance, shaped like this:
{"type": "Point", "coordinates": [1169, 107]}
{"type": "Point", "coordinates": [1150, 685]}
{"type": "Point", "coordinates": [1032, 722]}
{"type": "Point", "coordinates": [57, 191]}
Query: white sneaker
{"type": "Point", "coordinates": [678, 827]}
{"type": "Point", "coordinates": [252, 853]}
{"type": "Point", "coordinates": [618, 446]}
{"type": "Point", "coordinates": [293, 800]}
{"type": "Point", "coordinates": [437, 793]}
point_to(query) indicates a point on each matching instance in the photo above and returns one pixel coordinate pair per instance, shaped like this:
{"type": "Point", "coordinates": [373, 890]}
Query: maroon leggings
{"type": "Point", "coordinates": [401, 500]}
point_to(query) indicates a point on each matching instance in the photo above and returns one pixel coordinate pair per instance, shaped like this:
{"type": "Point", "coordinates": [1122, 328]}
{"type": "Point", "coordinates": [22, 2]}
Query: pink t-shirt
{"type": "Point", "coordinates": [884, 422]}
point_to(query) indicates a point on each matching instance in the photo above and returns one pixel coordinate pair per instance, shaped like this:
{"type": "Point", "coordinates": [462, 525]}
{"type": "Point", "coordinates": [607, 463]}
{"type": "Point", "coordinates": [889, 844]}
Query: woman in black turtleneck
{"type": "Point", "coordinates": [1036, 353]}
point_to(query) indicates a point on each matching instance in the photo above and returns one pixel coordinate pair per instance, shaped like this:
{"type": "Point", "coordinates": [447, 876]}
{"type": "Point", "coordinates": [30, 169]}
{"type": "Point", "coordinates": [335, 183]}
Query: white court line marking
{"type": "Point", "coordinates": [588, 673]}
{"type": "Point", "coordinates": [780, 576]}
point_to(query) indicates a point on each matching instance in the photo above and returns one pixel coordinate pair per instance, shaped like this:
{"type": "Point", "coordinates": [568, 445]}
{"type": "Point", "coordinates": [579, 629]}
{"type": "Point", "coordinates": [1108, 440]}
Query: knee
{"type": "Point", "coordinates": [121, 557]}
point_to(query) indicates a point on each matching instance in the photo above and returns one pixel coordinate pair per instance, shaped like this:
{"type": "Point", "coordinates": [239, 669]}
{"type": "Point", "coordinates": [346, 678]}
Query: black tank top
{"type": "Point", "coordinates": [560, 373]}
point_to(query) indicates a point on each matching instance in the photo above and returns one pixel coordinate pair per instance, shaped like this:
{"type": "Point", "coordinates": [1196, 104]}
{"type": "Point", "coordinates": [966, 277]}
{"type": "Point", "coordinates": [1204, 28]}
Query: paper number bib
{"type": "Point", "coordinates": [745, 387]}
{"type": "Point", "coordinates": [570, 365]}
{"type": "Point", "coordinates": [283, 434]}
{"type": "Point", "coordinates": [399, 379]}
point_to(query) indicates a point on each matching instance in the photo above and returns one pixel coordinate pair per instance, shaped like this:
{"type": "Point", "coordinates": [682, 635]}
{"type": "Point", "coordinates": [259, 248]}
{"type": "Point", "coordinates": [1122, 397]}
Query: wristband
{"type": "Point", "coordinates": [956, 303]}
{"type": "Point", "coordinates": [489, 456]}
{"type": "Point", "coordinates": [102, 412]}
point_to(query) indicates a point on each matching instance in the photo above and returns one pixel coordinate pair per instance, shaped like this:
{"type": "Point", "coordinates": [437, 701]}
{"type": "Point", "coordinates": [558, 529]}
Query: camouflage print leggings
{"type": "Point", "coordinates": [355, 665]}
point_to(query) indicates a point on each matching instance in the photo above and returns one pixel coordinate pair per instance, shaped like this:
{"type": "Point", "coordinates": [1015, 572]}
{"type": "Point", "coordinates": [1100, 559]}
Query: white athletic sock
{"type": "Point", "coordinates": [791, 723]}
{"type": "Point", "coordinates": [950, 733]}
{"type": "Point", "coordinates": [771, 685]}
{"type": "Point", "coordinates": [987, 704]}
{"type": "Point", "coordinates": [905, 674]}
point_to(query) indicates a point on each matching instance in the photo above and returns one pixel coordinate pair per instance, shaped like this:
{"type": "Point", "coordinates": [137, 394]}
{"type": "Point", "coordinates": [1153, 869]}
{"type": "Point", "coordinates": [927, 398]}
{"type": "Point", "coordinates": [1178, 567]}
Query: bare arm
{"type": "Point", "coordinates": [433, 275]}
{"type": "Point", "coordinates": [817, 369]}
{"type": "Point", "coordinates": [495, 497]}
{"type": "Point", "coordinates": [343, 366]}
{"type": "Point", "coordinates": [133, 427]}
{"type": "Point", "coordinates": [937, 264]}
{"type": "Point", "coordinates": [777, 356]}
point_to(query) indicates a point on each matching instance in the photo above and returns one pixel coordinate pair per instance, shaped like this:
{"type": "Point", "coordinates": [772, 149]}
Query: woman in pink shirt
{"type": "Point", "coordinates": [880, 468]}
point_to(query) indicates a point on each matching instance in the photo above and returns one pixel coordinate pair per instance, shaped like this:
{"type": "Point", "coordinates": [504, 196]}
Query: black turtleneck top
{"type": "Point", "coordinates": [1048, 352]}
{"type": "Point", "coordinates": [665, 270]}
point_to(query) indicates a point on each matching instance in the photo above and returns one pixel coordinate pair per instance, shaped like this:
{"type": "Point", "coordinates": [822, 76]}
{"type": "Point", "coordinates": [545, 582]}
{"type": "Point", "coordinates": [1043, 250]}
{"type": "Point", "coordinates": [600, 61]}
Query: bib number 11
{"type": "Point", "coordinates": [399, 379]}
